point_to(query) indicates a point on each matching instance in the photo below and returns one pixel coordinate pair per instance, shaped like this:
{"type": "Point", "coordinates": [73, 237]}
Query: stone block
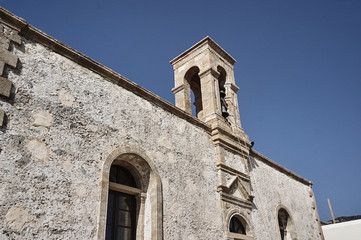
{"type": "Point", "coordinates": [2, 117]}
{"type": "Point", "coordinates": [4, 41]}
{"type": "Point", "coordinates": [2, 64]}
{"type": "Point", "coordinates": [8, 58]}
{"type": "Point", "coordinates": [15, 38]}
{"type": "Point", "coordinates": [5, 87]}
{"type": "Point", "coordinates": [42, 119]}
{"type": "Point", "coordinates": [10, 35]}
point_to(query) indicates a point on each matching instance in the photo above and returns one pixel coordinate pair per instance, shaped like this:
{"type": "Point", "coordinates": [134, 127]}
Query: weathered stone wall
{"type": "Point", "coordinates": [62, 124]}
{"type": "Point", "coordinates": [274, 189]}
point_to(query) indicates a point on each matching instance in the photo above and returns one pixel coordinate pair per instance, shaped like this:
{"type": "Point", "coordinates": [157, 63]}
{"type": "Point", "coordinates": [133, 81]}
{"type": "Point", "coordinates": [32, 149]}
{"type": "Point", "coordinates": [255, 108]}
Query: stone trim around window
{"type": "Point", "coordinates": [121, 155]}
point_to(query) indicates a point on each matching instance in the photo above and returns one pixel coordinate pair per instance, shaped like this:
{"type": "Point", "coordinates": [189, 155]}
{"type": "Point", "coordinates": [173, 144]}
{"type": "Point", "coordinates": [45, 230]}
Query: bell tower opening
{"type": "Point", "coordinates": [192, 79]}
{"type": "Point", "coordinates": [222, 91]}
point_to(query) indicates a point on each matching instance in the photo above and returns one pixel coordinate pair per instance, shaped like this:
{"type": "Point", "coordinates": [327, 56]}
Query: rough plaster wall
{"type": "Point", "coordinates": [272, 188]}
{"type": "Point", "coordinates": [63, 123]}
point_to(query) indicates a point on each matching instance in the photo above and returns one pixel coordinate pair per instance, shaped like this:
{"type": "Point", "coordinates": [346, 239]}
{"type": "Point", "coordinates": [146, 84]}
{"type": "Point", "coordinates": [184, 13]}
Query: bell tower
{"type": "Point", "coordinates": [206, 70]}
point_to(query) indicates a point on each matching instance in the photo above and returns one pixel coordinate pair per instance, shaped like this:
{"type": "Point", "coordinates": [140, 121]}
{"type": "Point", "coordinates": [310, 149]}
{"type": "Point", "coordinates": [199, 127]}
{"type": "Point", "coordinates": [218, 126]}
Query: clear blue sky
{"type": "Point", "coordinates": [298, 69]}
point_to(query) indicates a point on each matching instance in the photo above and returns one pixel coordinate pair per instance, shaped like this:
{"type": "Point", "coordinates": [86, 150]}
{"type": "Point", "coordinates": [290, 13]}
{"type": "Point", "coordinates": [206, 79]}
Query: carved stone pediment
{"type": "Point", "coordinates": [239, 188]}
{"type": "Point", "coordinates": [237, 192]}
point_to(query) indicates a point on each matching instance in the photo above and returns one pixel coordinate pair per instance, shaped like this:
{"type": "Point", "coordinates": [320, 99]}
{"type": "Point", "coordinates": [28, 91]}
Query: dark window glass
{"type": "Point", "coordinates": [236, 226]}
{"type": "Point", "coordinates": [282, 222]}
{"type": "Point", "coordinates": [121, 175]}
{"type": "Point", "coordinates": [121, 220]}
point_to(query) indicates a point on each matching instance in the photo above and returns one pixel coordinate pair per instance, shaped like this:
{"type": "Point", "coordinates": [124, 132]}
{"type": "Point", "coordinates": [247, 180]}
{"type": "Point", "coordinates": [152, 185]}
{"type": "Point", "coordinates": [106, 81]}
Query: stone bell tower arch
{"type": "Point", "coordinates": [207, 70]}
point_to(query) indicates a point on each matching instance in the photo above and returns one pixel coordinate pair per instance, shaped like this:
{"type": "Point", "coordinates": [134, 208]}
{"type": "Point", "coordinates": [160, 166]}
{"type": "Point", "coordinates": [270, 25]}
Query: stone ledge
{"type": "Point", "coordinates": [5, 87]}
{"type": "Point", "coordinates": [235, 200]}
{"type": "Point", "coordinates": [225, 168]}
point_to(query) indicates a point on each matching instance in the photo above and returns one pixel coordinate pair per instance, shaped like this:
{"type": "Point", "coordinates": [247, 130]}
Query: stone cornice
{"type": "Point", "coordinates": [36, 35]}
{"type": "Point", "coordinates": [278, 167]}
{"type": "Point", "coordinates": [234, 87]}
{"type": "Point", "coordinates": [235, 200]}
{"type": "Point", "coordinates": [177, 89]}
{"type": "Point", "coordinates": [211, 71]}
{"type": "Point", "coordinates": [225, 168]}
{"type": "Point", "coordinates": [212, 44]}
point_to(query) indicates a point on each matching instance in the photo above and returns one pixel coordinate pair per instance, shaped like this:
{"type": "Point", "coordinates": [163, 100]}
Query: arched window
{"type": "Point", "coordinates": [122, 205]}
{"type": "Point", "coordinates": [192, 78]}
{"type": "Point", "coordinates": [131, 199]}
{"type": "Point", "coordinates": [286, 226]}
{"type": "Point", "coordinates": [236, 226]}
{"type": "Point", "coordinates": [238, 229]}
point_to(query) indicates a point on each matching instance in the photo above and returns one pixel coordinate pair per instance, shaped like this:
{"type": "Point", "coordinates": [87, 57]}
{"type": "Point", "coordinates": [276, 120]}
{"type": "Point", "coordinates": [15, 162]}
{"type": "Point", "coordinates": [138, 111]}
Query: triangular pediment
{"type": "Point", "coordinates": [238, 189]}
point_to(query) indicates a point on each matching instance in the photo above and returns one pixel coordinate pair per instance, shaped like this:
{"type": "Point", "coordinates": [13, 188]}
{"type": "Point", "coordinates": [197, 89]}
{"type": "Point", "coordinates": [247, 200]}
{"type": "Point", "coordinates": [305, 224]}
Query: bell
{"type": "Point", "coordinates": [224, 112]}
{"type": "Point", "coordinates": [222, 92]}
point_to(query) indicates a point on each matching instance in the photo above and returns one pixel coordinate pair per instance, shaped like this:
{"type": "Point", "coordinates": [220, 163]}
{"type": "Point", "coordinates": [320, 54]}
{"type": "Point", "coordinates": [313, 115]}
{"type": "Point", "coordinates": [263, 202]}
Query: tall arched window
{"type": "Point", "coordinates": [286, 226]}
{"type": "Point", "coordinates": [122, 205]}
{"type": "Point", "coordinates": [131, 197]}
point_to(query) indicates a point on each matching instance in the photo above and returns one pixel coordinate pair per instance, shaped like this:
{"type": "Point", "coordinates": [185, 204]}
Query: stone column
{"type": "Point", "coordinates": [183, 97]}
{"type": "Point", "coordinates": [140, 224]}
{"type": "Point", "coordinates": [210, 94]}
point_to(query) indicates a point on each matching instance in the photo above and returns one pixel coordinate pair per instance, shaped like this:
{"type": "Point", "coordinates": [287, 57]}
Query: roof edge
{"type": "Point", "coordinates": [280, 168]}
{"type": "Point", "coordinates": [36, 35]}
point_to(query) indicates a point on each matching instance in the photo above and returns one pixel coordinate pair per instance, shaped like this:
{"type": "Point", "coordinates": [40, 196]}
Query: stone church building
{"type": "Point", "coordinates": [87, 154]}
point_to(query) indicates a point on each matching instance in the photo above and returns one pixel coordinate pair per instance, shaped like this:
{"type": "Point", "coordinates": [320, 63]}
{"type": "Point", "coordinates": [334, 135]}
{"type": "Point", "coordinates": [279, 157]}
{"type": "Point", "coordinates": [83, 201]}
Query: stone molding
{"type": "Point", "coordinates": [230, 141]}
{"type": "Point", "coordinates": [236, 200]}
{"type": "Point", "coordinates": [178, 89]}
{"type": "Point", "coordinates": [225, 168]}
{"type": "Point", "coordinates": [157, 197]}
{"type": "Point", "coordinates": [211, 71]}
{"type": "Point", "coordinates": [234, 87]}
{"type": "Point", "coordinates": [280, 168]}
{"type": "Point", "coordinates": [213, 45]}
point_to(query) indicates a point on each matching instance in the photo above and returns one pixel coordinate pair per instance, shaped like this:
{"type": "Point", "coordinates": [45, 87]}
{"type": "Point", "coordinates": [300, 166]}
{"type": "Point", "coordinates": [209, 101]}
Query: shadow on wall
{"type": "Point", "coordinates": [252, 164]}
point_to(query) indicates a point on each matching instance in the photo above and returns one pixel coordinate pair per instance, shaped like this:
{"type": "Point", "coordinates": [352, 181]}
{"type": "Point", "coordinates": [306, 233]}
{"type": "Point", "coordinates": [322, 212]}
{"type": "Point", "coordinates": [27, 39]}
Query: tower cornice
{"type": "Point", "coordinates": [212, 44]}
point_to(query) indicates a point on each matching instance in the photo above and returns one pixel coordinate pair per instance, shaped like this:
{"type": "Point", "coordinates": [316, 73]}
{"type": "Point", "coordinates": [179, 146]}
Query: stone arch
{"type": "Point", "coordinates": [222, 79]}
{"type": "Point", "coordinates": [285, 224]}
{"type": "Point", "coordinates": [237, 213]}
{"type": "Point", "coordinates": [143, 169]}
{"type": "Point", "coordinates": [192, 83]}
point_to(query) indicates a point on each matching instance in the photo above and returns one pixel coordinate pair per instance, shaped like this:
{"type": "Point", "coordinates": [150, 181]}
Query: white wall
{"type": "Point", "coordinates": [343, 231]}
